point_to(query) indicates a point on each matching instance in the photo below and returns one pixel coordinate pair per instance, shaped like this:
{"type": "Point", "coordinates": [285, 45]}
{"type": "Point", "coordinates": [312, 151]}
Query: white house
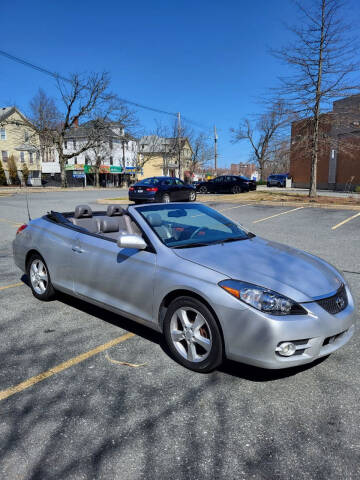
{"type": "Point", "coordinates": [117, 153]}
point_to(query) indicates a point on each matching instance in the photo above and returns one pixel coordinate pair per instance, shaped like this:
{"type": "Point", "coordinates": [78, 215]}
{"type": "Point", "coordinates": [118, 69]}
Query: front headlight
{"type": "Point", "coordinates": [262, 298]}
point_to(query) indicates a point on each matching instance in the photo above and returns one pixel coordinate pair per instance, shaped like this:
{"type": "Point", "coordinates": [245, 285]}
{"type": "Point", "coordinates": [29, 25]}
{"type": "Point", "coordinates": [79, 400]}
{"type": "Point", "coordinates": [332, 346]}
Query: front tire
{"type": "Point", "coordinates": [39, 278]}
{"type": "Point", "coordinates": [193, 335]}
{"type": "Point", "coordinates": [203, 190]}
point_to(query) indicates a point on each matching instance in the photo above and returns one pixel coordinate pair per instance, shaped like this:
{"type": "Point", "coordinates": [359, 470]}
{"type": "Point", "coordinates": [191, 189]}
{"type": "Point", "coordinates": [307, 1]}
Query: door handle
{"type": "Point", "coordinates": [77, 249]}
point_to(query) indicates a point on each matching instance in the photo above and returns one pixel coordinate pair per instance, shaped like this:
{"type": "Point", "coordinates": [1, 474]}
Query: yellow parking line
{"type": "Point", "coordinates": [344, 221]}
{"type": "Point", "coordinates": [63, 366]}
{"type": "Point", "coordinates": [278, 214]}
{"type": "Point", "coordinates": [9, 221]}
{"type": "Point", "coordinates": [12, 285]}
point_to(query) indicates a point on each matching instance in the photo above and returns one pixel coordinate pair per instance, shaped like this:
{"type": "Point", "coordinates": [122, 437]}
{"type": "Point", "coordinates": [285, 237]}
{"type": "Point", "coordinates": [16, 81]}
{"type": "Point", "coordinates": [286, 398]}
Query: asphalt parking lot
{"type": "Point", "coordinates": [70, 408]}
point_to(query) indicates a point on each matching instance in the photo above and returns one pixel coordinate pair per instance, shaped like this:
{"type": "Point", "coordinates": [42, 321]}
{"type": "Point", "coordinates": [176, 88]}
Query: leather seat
{"type": "Point", "coordinates": [110, 228]}
{"type": "Point", "coordinates": [83, 217]}
{"type": "Point", "coordinates": [157, 224]}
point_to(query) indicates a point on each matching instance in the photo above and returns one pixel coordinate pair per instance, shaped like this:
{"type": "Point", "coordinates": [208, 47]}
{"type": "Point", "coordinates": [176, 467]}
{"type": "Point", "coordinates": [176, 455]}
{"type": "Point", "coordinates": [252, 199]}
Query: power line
{"type": "Point", "coordinates": [64, 79]}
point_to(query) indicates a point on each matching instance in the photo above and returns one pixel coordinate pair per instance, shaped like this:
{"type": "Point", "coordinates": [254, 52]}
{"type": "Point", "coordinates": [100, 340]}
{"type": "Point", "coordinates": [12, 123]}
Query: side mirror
{"type": "Point", "coordinates": [131, 241]}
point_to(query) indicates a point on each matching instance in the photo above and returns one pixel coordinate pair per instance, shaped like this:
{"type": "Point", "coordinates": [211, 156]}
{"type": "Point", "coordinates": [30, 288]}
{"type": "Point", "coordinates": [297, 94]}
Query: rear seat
{"type": "Point", "coordinates": [83, 217]}
{"type": "Point", "coordinates": [112, 225]}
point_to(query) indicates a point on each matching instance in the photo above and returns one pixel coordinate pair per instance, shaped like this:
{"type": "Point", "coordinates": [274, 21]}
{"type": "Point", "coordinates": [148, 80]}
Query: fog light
{"type": "Point", "coordinates": [286, 349]}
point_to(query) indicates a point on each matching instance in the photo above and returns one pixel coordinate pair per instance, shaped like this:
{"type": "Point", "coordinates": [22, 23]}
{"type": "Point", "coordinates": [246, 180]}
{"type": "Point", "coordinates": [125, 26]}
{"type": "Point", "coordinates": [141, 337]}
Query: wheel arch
{"type": "Point", "coordinates": [186, 293]}
{"type": "Point", "coordinates": [29, 254]}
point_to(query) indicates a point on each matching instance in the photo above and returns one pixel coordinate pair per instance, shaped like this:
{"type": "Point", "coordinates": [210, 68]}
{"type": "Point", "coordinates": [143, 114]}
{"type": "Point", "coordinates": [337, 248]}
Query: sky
{"type": "Point", "coordinates": [206, 59]}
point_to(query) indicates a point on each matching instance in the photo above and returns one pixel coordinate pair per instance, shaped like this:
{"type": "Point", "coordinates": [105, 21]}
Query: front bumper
{"type": "Point", "coordinates": [252, 337]}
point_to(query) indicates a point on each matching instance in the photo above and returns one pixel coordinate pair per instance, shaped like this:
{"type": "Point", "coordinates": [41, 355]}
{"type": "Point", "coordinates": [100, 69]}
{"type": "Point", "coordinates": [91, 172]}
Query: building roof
{"type": "Point", "coordinates": [108, 130]}
{"type": "Point", "coordinates": [6, 112]}
{"type": "Point", "coordinates": [156, 144]}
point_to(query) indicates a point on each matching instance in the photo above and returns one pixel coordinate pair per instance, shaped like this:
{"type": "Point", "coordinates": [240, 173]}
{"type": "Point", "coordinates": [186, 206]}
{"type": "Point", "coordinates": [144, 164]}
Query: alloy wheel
{"type": "Point", "coordinates": [166, 198]}
{"type": "Point", "coordinates": [191, 334]}
{"type": "Point", "coordinates": [38, 276]}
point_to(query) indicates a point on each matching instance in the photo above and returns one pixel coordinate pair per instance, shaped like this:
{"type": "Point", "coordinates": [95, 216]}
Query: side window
{"type": "Point", "coordinates": [219, 179]}
{"type": "Point", "coordinates": [168, 181]}
{"type": "Point", "coordinates": [178, 182]}
{"type": "Point", "coordinates": [230, 179]}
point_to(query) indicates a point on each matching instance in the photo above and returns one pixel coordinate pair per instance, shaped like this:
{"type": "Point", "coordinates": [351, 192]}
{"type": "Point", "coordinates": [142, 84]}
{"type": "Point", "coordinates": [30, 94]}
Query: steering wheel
{"type": "Point", "coordinates": [196, 232]}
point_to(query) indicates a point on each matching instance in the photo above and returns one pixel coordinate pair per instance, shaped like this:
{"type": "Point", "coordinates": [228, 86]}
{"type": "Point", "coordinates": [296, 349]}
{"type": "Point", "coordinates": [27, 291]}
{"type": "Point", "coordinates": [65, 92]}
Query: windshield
{"type": "Point", "coordinates": [181, 225]}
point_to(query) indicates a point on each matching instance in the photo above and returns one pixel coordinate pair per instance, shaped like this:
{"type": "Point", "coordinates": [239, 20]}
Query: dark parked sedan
{"type": "Point", "coordinates": [162, 189]}
{"type": "Point", "coordinates": [227, 184]}
{"type": "Point", "coordinates": [277, 180]}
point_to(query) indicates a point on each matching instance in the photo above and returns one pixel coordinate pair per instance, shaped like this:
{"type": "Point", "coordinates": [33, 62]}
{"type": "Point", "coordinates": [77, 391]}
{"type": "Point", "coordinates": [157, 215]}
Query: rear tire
{"type": "Point", "coordinates": [39, 278]}
{"type": "Point", "coordinates": [165, 198]}
{"type": "Point", "coordinates": [236, 189]}
{"type": "Point", "coordinates": [193, 335]}
{"type": "Point", "coordinates": [192, 196]}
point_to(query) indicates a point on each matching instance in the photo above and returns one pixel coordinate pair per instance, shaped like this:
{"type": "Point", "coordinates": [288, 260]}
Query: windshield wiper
{"type": "Point", "coordinates": [191, 245]}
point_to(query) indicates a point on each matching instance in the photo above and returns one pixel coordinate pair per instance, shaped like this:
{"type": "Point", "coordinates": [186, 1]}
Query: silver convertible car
{"type": "Point", "coordinates": [215, 290]}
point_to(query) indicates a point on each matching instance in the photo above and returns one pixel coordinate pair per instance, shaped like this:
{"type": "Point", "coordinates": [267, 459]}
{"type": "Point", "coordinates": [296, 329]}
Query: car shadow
{"type": "Point", "coordinates": [229, 367]}
{"type": "Point", "coordinates": [257, 374]}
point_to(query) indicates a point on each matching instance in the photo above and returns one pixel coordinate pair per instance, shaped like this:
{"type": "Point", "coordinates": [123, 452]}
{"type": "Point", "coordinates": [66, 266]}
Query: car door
{"type": "Point", "coordinates": [219, 184]}
{"type": "Point", "coordinates": [122, 278]}
{"type": "Point", "coordinates": [182, 192]}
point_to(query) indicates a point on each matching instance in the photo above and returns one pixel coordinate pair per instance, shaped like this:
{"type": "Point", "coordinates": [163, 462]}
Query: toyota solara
{"type": "Point", "coordinates": [212, 288]}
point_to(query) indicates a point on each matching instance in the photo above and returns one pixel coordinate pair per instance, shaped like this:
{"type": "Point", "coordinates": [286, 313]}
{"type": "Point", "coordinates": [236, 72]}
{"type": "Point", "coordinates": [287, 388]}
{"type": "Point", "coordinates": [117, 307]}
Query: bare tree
{"type": "Point", "coordinates": [264, 134]}
{"type": "Point", "coordinates": [84, 99]}
{"type": "Point", "coordinates": [202, 152]}
{"type": "Point", "coordinates": [322, 58]}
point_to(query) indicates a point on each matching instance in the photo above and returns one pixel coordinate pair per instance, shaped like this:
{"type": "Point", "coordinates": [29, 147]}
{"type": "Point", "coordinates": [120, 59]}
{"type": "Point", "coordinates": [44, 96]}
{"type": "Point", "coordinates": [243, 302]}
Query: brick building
{"type": "Point", "coordinates": [339, 147]}
{"type": "Point", "coordinates": [247, 169]}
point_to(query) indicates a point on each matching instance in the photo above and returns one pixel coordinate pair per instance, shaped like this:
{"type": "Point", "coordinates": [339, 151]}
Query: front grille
{"type": "Point", "coordinates": [336, 303]}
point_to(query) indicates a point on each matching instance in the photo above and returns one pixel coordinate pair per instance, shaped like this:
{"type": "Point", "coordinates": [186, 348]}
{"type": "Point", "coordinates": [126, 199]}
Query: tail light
{"type": "Point", "coordinates": [131, 189]}
{"type": "Point", "coordinates": [152, 189]}
{"type": "Point", "coordinates": [20, 229]}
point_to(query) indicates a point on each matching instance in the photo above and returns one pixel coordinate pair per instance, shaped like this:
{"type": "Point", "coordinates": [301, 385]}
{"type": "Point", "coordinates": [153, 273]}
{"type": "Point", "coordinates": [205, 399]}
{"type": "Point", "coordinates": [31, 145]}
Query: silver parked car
{"type": "Point", "coordinates": [213, 289]}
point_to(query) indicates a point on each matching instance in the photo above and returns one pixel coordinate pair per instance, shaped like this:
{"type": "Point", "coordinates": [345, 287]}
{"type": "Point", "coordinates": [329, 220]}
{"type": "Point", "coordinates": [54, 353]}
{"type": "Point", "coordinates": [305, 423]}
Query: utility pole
{"type": "Point", "coordinates": [215, 149]}
{"type": "Point", "coordinates": [178, 141]}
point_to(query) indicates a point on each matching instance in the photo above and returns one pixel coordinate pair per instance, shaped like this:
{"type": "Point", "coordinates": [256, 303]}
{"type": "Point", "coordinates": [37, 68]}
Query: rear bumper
{"type": "Point", "coordinates": [142, 197]}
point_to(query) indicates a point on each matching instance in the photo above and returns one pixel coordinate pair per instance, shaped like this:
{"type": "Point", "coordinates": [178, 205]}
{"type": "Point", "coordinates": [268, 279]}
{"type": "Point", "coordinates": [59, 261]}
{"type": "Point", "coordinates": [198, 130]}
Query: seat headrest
{"type": "Point", "coordinates": [113, 210]}
{"type": "Point", "coordinates": [154, 219]}
{"type": "Point", "coordinates": [83, 211]}
{"type": "Point", "coordinates": [109, 225]}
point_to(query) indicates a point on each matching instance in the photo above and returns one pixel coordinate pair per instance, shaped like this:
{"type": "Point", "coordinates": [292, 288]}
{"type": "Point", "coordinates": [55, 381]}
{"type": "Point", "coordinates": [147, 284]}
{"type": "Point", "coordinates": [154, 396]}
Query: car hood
{"type": "Point", "coordinates": [284, 269]}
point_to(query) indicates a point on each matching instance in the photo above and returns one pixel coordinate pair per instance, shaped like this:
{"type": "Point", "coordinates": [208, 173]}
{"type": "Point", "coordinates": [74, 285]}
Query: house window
{"type": "Point", "coordinates": [65, 144]}
{"type": "Point", "coordinates": [26, 136]}
{"type": "Point", "coordinates": [31, 157]}
{"type": "Point", "coordinates": [74, 143]}
{"type": "Point", "coordinates": [75, 160]}
{"type": "Point", "coordinates": [2, 134]}
{"type": "Point", "coordinates": [4, 156]}
{"type": "Point", "coordinates": [110, 144]}
{"type": "Point", "coordinates": [22, 157]}
{"type": "Point", "coordinates": [37, 156]}
{"type": "Point", "coordinates": [111, 161]}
